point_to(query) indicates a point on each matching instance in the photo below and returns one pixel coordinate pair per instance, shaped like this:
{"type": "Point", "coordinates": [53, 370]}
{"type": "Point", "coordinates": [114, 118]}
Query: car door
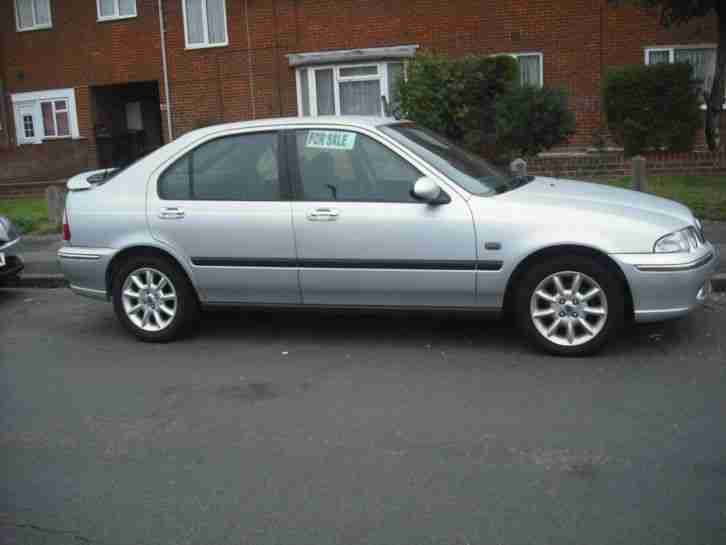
{"type": "Point", "coordinates": [225, 205]}
{"type": "Point", "coordinates": [362, 238]}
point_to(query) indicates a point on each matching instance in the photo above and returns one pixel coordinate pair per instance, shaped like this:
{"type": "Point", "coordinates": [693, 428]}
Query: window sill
{"type": "Point", "coordinates": [115, 18]}
{"type": "Point", "coordinates": [205, 46]}
{"type": "Point", "coordinates": [34, 28]}
{"type": "Point", "coordinates": [48, 139]}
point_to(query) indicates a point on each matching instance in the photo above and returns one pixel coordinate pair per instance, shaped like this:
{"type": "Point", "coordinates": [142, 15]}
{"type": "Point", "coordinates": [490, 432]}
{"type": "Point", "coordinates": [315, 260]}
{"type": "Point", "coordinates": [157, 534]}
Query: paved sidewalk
{"type": "Point", "coordinates": [39, 254]}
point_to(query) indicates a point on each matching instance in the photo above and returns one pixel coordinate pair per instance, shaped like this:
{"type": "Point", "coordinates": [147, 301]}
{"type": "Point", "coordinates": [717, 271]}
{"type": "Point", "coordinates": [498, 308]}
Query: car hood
{"type": "Point", "coordinates": [605, 199]}
{"type": "Point", "coordinates": [549, 211]}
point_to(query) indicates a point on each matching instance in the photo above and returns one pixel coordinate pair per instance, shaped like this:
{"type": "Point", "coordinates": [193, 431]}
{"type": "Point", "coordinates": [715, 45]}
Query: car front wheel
{"type": "Point", "coordinates": [153, 299]}
{"type": "Point", "coordinates": [570, 306]}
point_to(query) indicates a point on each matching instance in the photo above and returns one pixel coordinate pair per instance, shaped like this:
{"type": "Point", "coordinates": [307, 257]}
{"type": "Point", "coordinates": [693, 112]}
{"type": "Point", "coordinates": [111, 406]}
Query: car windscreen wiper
{"type": "Point", "coordinates": [519, 181]}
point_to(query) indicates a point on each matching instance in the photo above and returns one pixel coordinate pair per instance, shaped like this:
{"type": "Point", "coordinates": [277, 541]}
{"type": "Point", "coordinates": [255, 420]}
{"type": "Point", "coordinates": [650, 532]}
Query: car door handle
{"type": "Point", "coordinates": [171, 213]}
{"type": "Point", "coordinates": [323, 214]}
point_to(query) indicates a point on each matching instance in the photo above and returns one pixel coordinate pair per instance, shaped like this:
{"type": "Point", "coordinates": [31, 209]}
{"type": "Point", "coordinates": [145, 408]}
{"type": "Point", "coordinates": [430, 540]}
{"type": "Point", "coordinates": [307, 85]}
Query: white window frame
{"type": "Point", "coordinates": [381, 75]}
{"type": "Point", "coordinates": [35, 26]}
{"type": "Point", "coordinates": [117, 12]}
{"type": "Point", "coordinates": [205, 27]}
{"type": "Point", "coordinates": [34, 99]}
{"type": "Point", "coordinates": [671, 49]}
{"type": "Point", "coordinates": [538, 54]}
{"type": "Point", "coordinates": [54, 111]}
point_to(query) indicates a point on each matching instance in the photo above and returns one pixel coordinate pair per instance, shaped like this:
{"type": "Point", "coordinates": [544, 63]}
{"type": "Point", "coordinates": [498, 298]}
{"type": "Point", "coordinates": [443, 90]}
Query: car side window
{"type": "Point", "coordinates": [337, 165]}
{"type": "Point", "coordinates": [241, 167]}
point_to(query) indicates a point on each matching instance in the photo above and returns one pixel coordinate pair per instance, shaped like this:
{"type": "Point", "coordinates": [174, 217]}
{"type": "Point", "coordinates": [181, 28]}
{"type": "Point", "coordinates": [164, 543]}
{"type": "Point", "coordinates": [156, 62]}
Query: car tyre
{"type": "Point", "coordinates": [570, 306]}
{"type": "Point", "coordinates": [154, 300]}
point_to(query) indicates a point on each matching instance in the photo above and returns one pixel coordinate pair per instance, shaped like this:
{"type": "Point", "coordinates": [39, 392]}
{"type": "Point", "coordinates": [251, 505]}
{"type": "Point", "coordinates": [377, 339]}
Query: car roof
{"type": "Point", "coordinates": [276, 122]}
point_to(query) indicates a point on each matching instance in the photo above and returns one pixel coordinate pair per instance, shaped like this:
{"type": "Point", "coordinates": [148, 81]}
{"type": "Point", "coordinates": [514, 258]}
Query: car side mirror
{"type": "Point", "coordinates": [427, 190]}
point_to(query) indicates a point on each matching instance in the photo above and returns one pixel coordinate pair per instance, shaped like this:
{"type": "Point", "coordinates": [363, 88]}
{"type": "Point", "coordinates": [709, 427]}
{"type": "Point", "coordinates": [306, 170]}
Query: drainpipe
{"type": "Point", "coordinates": [251, 73]}
{"type": "Point", "coordinates": [164, 69]}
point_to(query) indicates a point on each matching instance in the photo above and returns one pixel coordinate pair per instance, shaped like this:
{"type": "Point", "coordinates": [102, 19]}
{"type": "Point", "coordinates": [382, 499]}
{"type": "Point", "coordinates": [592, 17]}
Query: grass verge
{"type": "Point", "coordinates": [30, 215]}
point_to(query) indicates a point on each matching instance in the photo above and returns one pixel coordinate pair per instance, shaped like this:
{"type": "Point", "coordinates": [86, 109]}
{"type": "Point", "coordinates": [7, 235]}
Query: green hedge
{"type": "Point", "coordinates": [652, 107]}
{"type": "Point", "coordinates": [457, 97]}
{"type": "Point", "coordinates": [532, 119]}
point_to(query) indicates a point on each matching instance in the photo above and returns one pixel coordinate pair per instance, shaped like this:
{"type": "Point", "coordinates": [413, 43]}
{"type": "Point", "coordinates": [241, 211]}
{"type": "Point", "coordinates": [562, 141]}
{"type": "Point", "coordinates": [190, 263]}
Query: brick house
{"type": "Point", "coordinates": [83, 82]}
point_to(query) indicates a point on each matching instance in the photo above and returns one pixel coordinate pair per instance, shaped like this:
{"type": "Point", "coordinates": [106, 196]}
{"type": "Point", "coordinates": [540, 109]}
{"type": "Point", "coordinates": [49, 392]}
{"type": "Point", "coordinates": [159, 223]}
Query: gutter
{"type": "Point", "coordinates": [167, 95]}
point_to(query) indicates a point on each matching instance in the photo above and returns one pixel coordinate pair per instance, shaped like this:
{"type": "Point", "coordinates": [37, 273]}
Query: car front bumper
{"type": "Point", "coordinates": [13, 262]}
{"type": "Point", "coordinates": [667, 286]}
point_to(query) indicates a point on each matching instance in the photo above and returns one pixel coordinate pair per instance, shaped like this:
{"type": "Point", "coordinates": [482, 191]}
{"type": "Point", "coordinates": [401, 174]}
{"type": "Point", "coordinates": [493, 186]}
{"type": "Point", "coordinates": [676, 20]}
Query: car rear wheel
{"type": "Point", "coordinates": [570, 306]}
{"type": "Point", "coordinates": [153, 299]}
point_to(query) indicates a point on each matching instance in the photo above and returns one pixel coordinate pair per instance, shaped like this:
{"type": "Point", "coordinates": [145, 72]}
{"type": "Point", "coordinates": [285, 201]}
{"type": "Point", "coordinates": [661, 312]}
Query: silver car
{"type": "Point", "coordinates": [10, 261]}
{"type": "Point", "coordinates": [369, 212]}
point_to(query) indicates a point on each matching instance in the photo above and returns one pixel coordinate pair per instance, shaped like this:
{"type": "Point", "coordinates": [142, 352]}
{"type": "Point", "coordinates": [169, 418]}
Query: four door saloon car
{"type": "Point", "coordinates": [372, 212]}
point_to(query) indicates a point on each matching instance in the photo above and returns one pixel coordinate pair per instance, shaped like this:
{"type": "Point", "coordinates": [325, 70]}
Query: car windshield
{"type": "Point", "coordinates": [470, 171]}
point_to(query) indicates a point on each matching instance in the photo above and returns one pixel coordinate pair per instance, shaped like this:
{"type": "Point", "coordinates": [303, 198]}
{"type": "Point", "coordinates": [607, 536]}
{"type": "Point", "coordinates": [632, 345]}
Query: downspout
{"type": "Point", "coordinates": [165, 71]}
{"type": "Point", "coordinates": [250, 70]}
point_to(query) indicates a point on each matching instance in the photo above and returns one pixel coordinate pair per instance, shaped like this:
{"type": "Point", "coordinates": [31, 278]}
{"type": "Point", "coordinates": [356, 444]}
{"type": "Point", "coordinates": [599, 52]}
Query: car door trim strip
{"type": "Point", "coordinates": [404, 264]}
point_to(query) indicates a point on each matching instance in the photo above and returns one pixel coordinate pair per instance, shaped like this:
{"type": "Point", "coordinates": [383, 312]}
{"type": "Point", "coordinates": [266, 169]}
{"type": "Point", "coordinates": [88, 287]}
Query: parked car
{"type": "Point", "coordinates": [372, 212]}
{"type": "Point", "coordinates": [10, 261]}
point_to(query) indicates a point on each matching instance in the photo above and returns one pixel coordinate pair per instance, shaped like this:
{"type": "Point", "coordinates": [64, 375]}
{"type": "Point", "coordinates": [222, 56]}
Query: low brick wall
{"type": "Point", "coordinates": [28, 189]}
{"type": "Point", "coordinates": [25, 170]}
{"type": "Point", "coordinates": [613, 165]}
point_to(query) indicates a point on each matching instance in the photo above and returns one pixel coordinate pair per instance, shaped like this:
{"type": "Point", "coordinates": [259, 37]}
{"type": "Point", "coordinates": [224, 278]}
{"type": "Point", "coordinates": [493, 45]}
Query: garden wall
{"type": "Point", "coordinates": [28, 170]}
{"type": "Point", "coordinates": [614, 165]}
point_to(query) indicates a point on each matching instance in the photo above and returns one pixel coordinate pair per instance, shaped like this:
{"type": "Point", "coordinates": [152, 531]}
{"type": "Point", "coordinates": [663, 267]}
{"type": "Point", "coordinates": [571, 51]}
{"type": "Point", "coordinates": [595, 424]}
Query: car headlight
{"type": "Point", "coordinates": [685, 240]}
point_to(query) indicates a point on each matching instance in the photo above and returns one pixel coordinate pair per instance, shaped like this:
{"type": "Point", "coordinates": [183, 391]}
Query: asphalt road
{"type": "Point", "coordinates": [305, 428]}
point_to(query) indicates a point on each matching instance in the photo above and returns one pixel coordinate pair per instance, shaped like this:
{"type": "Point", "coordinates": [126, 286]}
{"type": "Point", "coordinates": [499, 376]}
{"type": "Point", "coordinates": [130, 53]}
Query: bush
{"type": "Point", "coordinates": [456, 97]}
{"type": "Point", "coordinates": [652, 107]}
{"type": "Point", "coordinates": [532, 119]}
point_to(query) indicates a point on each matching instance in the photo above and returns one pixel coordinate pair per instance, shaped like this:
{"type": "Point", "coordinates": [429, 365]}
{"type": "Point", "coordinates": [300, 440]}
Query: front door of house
{"type": "Point", "coordinates": [27, 119]}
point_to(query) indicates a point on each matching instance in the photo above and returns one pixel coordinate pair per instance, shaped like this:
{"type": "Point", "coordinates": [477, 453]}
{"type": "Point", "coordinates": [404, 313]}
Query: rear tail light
{"type": "Point", "coordinates": [66, 227]}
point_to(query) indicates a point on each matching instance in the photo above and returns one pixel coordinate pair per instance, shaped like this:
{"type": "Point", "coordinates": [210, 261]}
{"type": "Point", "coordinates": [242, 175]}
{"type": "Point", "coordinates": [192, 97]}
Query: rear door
{"type": "Point", "coordinates": [363, 239]}
{"type": "Point", "coordinates": [226, 206]}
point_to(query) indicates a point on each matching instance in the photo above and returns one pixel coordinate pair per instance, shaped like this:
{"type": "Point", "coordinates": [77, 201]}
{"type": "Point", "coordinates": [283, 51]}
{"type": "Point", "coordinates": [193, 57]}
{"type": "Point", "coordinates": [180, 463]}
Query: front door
{"type": "Point", "coordinates": [363, 239]}
{"type": "Point", "coordinates": [225, 205]}
{"type": "Point", "coordinates": [27, 118]}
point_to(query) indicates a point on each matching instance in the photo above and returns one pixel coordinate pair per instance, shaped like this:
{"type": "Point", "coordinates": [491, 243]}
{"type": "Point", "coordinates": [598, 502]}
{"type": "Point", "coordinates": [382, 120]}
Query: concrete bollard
{"type": "Point", "coordinates": [640, 178]}
{"type": "Point", "coordinates": [518, 167]}
{"type": "Point", "coordinates": [56, 200]}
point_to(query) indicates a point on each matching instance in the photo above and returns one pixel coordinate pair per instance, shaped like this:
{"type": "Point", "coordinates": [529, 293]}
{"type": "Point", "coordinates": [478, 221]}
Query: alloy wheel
{"type": "Point", "coordinates": [569, 308]}
{"type": "Point", "coordinates": [149, 299]}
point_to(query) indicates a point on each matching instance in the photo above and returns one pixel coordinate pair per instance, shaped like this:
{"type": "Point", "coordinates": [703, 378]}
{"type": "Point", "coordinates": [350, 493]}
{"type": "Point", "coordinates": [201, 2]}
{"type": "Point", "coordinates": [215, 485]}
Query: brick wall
{"type": "Point", "coordinates": [251, 78]}
{"type": "Point", "coordinates": [51, 160]}
{"type": "Point", "coordinates": [613, 165]}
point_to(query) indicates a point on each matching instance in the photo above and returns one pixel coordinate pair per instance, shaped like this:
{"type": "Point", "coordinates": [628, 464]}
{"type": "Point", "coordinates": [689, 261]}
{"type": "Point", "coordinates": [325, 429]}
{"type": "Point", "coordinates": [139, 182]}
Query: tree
{"type": "Point", "coordinates": [677, 12]}
{"type": "Point", "coordinates": [456, 96]}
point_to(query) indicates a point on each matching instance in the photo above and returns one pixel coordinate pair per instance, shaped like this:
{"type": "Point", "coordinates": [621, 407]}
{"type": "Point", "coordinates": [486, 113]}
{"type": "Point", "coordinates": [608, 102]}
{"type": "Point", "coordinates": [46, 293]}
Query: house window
{"type": "Point", "coordinates": [701, 58]}
{"type": "Point", "coordinates": [32, 14]}
{"type": "Point", "coordinates": [55, 118]}
{"type": "Point", "coordinates": [205, 23]}
{"type": "Point", "coordinates": [28, 127]}
{"type": "Point", "coordinates": [349, 89]}
{"type": "Point", "coordinates": [530, 68]}
{"type": "Point", "coordinates": [45, 115]}
{"type": "Point", "coordinates": [115, 9]}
